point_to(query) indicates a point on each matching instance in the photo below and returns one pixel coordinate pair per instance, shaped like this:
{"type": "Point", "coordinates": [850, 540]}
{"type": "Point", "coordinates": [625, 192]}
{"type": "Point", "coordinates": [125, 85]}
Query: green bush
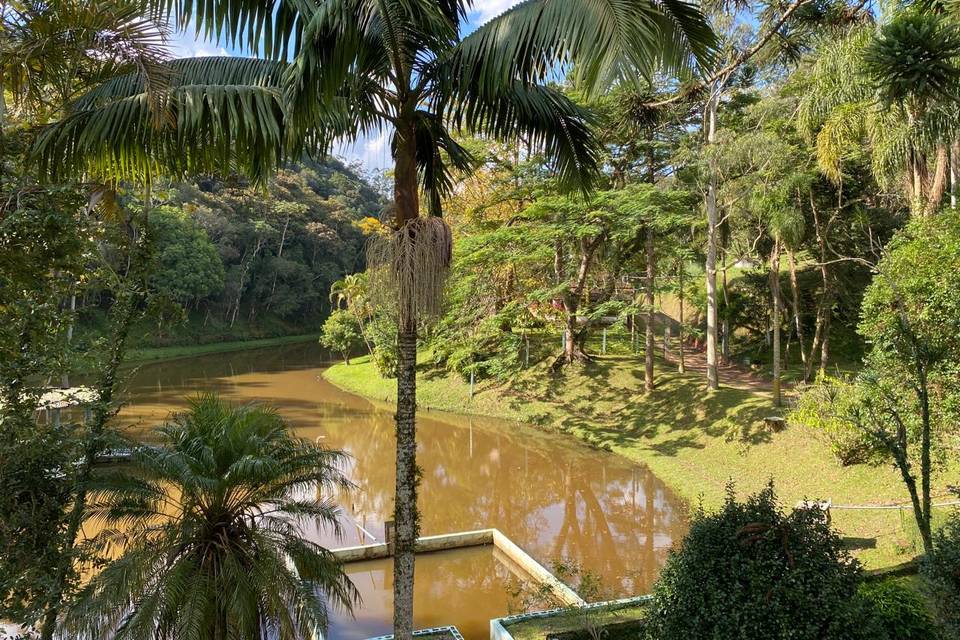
{"type": "Point", "coordinates": [942, 570]}
{"type": "Point", "coordinates": [752, 571]}
{"type": "Point", "coordinates": [900, 610]}
{"type": "Point", "coordinates": [341, 333]}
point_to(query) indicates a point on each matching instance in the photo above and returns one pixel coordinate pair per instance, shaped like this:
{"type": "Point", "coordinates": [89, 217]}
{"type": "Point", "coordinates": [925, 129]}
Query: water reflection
{"type": "Point", "coordinates": [554, 497]}
{"type": "Point", "coordinates": [463, 581]}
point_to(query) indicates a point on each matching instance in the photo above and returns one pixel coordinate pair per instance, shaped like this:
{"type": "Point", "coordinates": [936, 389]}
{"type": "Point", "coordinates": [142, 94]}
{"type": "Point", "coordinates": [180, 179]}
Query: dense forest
{"type": "Point", "coordinates": [237, 262]}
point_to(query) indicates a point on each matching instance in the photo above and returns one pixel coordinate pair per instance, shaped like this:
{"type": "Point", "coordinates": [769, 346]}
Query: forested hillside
{"type": "Point", "coordinates": [237, 262]}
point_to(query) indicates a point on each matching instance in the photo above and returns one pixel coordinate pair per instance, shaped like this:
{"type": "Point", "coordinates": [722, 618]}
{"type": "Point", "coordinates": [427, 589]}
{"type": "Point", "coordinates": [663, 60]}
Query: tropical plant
{"type": "Point", "coordinates": [351, 291]}
{"type": "Point", "coordinates": [52, 51]}
{"type": "Point", "coordinates": [359, 66]}
{"type": "Point", "coordinates": [207, 529]}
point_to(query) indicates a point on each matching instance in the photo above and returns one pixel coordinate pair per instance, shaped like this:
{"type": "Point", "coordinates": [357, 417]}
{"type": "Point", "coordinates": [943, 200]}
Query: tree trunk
{"type": "Point", "coordinates": [825, 337]}
{"type": "Point", "coordinates": [406, 519]}
{"type": "Point", "coordinates": [570, 331]}
{"type": "Point", "coordinates": [725, 322]}
{"type": "Point", "coordinates": [713, 381]}
{"type": "Point", "coordinates": [64, 378]}
{"type": "Point", "coordinates": [283, 238]}
{"type": "Point", "coordinates": [821, 336]}
{"type": "Point", "coordinates": [775, 319]}
{"type": "Point", "coordinates": [954, 153]}
{"type": "Point", "coordinates": [795, 297]}
{"type": "Point", "coordinates": [682, 365]}
{"type": "Point", "coordinates": [938, 184]}
{"type": "Point", "coordinates": [649, 301]}
{"type": "Point", "coordinates": [923, 395]}
{"type": "Point", "coordinates": [127, 305]}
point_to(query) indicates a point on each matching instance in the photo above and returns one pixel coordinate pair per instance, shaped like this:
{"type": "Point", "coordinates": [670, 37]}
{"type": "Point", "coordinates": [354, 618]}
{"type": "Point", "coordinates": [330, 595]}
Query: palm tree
{"type": "Point", "coordinates": [207, 525]}
{"type": "Point", "coordinates": [347, 68]}
{"type": "Point", "coordinates": [50, 52]}
{"type": "Point", "coordinates": [351, 291]}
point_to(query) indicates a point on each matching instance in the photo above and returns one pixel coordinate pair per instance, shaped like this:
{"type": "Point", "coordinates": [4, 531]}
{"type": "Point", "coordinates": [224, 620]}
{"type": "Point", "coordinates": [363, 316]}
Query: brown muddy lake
{"type": "Point", "coordinates": [606, 522]}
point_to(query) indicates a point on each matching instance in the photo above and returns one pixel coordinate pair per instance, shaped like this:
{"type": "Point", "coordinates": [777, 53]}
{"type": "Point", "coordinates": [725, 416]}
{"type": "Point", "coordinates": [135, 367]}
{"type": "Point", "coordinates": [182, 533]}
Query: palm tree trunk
{"type": "Point", "coordinates": [713, 381]}
{"type": "Point", "coordinates": [954, 152]}
{"type": "Point", "coordinates": [406, 520]}
{"type": "Point", "coordinates": [939, 183]}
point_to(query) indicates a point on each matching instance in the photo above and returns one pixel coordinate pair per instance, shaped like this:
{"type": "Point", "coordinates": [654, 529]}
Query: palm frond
{"type": "Point", "coordinates": [227, 550]}
{"type": "Point", "coordinates": [545, 119]}
{"type": "Point", "coordinates": [606, 40]}
{"type": "Point", "coordinates": [51, 51]}
{"type": "Point", "coordinates": [225, 114]}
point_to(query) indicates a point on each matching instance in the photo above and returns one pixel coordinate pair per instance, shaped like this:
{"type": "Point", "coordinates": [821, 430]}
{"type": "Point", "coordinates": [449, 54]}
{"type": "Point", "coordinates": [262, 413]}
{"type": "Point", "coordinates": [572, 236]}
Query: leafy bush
{"type": "Point", "coordinates": [752, 571]}
{"type": "Point", "coordinates": [900, 610]}
{"type": "Point", "coordinates": [341, 333]}
{"type": "Point", "coordinates": [942, 570]}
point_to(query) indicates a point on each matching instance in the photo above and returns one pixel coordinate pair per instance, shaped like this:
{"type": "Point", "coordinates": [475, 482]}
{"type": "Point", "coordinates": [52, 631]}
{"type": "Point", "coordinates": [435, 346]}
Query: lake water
{"type": "Point", "coordinates": [605, 520]}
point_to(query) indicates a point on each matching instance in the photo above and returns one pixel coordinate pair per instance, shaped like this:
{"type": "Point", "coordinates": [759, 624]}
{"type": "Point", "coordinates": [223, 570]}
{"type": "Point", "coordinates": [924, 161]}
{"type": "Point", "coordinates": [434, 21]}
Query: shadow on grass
{"type": "Point", "coordinates": [857, 544]}
{"type": "Point", "coordinates": [603, 402]}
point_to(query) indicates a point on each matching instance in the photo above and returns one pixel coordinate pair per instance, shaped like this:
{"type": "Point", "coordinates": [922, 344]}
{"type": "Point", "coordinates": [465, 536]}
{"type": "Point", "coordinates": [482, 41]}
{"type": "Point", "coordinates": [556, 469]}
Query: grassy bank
{"type": "Point", "coordinates": [693, 440]}
{"type": "Point", "coordinates": [187, 351]}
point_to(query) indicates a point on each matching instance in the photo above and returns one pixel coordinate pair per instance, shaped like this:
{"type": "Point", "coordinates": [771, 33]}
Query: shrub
{"type": "Point", "coordinates": [341, 333]}
{"type": "Point", "coordinates": [899, 610]}
{"type": "Point", "coordinates": [942, 570]}
{"type": "Point", "coordinates": [823, 406]}
{"type": "Point", "coordinates": [752, 571]}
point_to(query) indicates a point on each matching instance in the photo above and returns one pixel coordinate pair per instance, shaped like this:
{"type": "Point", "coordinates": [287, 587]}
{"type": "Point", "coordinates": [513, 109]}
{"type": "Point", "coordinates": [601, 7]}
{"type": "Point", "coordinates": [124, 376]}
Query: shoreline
{"type": "Point", "coordinates": [139, 355]}
{"type": "Point", "coordinates": [695, 442]}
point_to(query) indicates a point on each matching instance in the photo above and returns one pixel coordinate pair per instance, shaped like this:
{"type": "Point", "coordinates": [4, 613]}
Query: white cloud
{"type": "Point", "coordinates": [187, 45]}
{"type": "Point", "coordinates": [373, 152]}
{"type": "Point", "coordinates": [483, 10]}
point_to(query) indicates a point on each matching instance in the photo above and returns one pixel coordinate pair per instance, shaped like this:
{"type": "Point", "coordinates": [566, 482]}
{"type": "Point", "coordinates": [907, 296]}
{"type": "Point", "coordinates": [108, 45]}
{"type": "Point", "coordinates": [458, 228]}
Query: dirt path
{"type": "Point", "coordinates": [731, 374]}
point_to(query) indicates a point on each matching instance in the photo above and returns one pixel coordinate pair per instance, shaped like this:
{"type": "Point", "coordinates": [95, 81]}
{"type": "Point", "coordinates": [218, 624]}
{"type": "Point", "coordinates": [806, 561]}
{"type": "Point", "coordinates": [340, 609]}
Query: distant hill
{"type": "Point", "coordinates": [236, 262]}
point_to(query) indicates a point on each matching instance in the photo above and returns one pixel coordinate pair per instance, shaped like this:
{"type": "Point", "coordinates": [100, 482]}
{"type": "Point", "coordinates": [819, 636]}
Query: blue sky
{"type": "Point", "coordinates": [372, 152]}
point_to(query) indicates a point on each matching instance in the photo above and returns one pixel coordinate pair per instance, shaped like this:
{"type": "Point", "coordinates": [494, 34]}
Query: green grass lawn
{"type": "Point", "coordinates": [693, 440]}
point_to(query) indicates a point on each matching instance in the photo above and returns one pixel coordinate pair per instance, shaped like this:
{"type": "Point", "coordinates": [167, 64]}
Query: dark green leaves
{"type": "Point", "coordinates": [914, 59]}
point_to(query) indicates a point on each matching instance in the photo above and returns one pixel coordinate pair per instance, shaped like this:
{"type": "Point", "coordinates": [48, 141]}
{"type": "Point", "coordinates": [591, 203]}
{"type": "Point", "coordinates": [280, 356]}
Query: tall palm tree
{"type": "Point", "coordinates": [207, 528]}
{"type": "Point", "coordinates": [347, 68]}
